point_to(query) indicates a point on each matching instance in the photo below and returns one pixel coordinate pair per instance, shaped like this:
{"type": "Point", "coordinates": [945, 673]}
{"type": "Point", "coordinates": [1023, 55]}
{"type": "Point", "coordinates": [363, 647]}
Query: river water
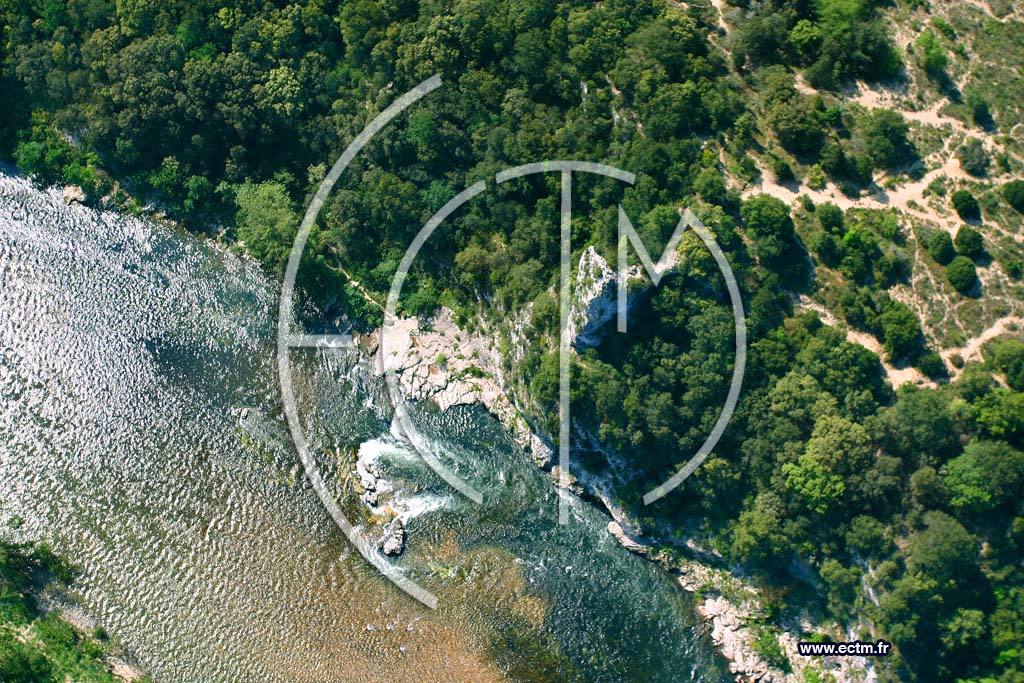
{"type": "Point", "coordinates": [128, 353]}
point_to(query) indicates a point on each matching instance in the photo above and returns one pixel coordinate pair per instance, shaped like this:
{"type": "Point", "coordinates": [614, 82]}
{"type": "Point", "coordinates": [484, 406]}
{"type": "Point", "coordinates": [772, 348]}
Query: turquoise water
{"type": "Point", "coordinates": [128, 351]}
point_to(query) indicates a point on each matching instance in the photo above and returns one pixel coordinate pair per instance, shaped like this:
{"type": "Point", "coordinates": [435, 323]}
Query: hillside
{"type": "Point", "coordinates": [859, 162]}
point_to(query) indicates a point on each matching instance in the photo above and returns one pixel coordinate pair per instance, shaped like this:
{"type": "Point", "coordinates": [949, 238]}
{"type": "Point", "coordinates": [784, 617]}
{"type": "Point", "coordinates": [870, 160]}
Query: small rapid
{"type": "Point", "coordinates": [141, 434]}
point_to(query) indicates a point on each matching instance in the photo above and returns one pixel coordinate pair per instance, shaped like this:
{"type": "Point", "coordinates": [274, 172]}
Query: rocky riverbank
{"type": "Point", "coordinates": [441, 363]}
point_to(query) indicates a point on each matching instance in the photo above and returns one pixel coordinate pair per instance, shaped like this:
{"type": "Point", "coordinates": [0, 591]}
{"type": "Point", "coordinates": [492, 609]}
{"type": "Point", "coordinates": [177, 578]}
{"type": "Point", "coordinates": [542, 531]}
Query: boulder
{"type": "Point", "coordinates": [74, 194]}
{"type": "Point", "coordinates": [393, 540]}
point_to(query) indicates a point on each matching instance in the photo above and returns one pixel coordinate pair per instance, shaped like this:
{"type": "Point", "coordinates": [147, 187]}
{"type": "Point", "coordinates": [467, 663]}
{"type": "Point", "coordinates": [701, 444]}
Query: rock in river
{"type": "Point", "coordinates": [393, 540]}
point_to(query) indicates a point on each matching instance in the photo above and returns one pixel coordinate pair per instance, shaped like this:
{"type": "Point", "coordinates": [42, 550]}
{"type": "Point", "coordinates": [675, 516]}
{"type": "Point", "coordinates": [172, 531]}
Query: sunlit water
{"type": "Point", "coordinates": [127, 351]}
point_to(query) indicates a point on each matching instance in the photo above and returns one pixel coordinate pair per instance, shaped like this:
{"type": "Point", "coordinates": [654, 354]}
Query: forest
{"type": "Point", "coordinates": [898, 512]}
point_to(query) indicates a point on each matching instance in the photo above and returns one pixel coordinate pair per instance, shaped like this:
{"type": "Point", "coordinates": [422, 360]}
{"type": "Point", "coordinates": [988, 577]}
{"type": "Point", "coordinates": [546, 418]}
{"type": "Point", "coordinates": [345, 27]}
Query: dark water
{"type": "Point", "coordinates": [127, 352]}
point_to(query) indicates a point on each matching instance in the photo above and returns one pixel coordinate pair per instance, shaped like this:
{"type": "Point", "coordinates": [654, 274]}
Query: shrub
{"type": "Point", "coordinates": [940, 247]}
{"type": "Point", "coordinates": [901, 330]}
{"type": "Point", "coordinates": [973, 157]}
{"type": "Point", "coordinates": [1007, 356]}
{"type": "Point", "coordinates": [961, 274]}
{"type": "Point", "coordinates": [831, 218]}
{"type": "Point", "coordinates": [966, 205]}
{"type": "Point", "coordinates": [944, 27]}
{"type": "Point", "coordinates": [931, 55]}
{"type": "Point", "coordinates": [781, 170]}
{"type": "Point", "coordinates": [1013, 193]}
{"type": "Point", "coordinates": [980, 111]}
{"type": "Point", "coordinates": [769, 225]}
{"type": "Point", "coordinates": [969, 242]}
{"type": "Point", "coordinates": [931, 364]}
{"type": "Point", "coordinates": [885, 136]}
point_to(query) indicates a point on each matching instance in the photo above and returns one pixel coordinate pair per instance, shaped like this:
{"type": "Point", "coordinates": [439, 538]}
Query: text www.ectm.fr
{"type": "Point", "coordinates": [856, 647]}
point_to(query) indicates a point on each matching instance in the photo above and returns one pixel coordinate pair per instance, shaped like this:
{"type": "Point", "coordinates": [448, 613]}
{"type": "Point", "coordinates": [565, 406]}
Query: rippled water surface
{"type": "Point", "coordinates": [128, 351]}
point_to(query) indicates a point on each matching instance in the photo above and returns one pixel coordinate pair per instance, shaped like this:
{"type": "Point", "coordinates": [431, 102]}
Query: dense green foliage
{"type": "Point", "coordinates": [931, 54]}
{"type": "Point", "coordinates": [1013, 193]}
{"type": "Point", "coordinates": [973, 157]}
{"type": "Point", "coordinates": [969, 242]}
{"type": "Point", "coordinates": [966, 205]}
{"type": "Point", "coordinates": [961, 274]}
{"type": "Point", "coordinates": [835, 40]}
{"type": "Point", "coordinates": [940, 247]}
{"type": "Point", "coordinates": [828, 484]}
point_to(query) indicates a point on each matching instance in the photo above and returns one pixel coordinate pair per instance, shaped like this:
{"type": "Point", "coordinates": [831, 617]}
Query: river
{"type": "Point", "coordinates": [129, 352]}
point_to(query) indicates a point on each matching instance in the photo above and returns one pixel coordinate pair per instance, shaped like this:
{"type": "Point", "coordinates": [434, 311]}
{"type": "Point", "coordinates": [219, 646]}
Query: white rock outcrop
{"type": "Point", "coordinates": [596, 294]}
{"type": "Point", "coordinates": [74, 194]}
{"type": "Point", "coordinates": [441, 363]}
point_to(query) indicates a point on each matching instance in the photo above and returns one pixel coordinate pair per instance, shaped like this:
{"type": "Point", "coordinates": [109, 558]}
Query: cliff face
{"type": "Point", "coordinates": [596, 295]}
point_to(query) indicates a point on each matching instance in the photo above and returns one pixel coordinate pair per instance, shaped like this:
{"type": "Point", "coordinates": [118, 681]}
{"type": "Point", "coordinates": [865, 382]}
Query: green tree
{"type": "Point", "coordinates": [758, 537]}
{"type": "Point", "coordinates": [867, 537]}
{"type": "Point", "coordinates": [920, 428]}
{"type": "Point", "coordinates": [1007, 356]}
{"type": "Point", "coordinates": [931, 54]}
{"type": "Point", "coordinates": [940, 247]}
{"type": "Point", "coordinates": [769, 224]}
{"type": "Point", "coordinates": [843, 585]}
{"type": "Point", "coordinates": [901, 330]}
{"type": "Point", "coordinates": [830, 217]}
{"type": "Point", "coordinates": [944, 551]}
{"type": "Point", "coordinates": [927, 488]}
{"type": "Point", "coordinates": [974, 157]}
{"type": "Point", "coordinates": [961, 274]}
{"type": "Point", "coordinates": [966, 205]}
{"type": "Point", "coordinates": [969, 242]}
{"type": "Point", "coordinates": [818, 488]}
{"type": "Point", "coordinates": [1013, 193]}
{"type": "Point", "coordinates": [987, 475]}
{"type": "Point", "coordinates": [1002, 414]}
{"type": "Point", "coordinates": [797, 125]}
{"type": "Point", "coordinates": [267, 223]}
{"type": "Point", "coordinates": [804, 39]}
{"type": "Point", "coordinates": [885, 138]}
{"type": "Point", "coordinates": [20, 662]}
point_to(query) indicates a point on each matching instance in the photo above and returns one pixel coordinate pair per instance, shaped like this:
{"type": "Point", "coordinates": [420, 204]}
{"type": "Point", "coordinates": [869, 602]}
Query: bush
{"type": "Point", "coordinates": [940, 247]}
{"type": "Point", "coordinates": [966, 205]}
{"type": "Point", "coordinates": [901, 330]}
{"type": "Point", "coordinates": [885, 136]}
{"type": "Point", "coordinates": [931, 55]}
{"type": "Point", "coordinates": [969, 242]}
{"type": "Point", "coordinates": [1013, 193]}
{"type": "Point", "coordinates": [781, 170]}
{"type": "Point", "coordinates": [980, 111]}
{"type": "Point", "coordinates": [1007, 356]}
{"type": "Point", "coordinates": [931, 364]}
{"type": "Point", "coordinates": [973, 157]}
{"type": "Point", "coordinates": [831, 218]}
{"type": "Point", "coordinates": [961, 274]}
{"type": "Point", "coordinates": [769, 224]}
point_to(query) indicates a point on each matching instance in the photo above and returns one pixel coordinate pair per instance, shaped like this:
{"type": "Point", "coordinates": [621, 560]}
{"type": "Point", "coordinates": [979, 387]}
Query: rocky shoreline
{"type": "Point", "coordinates": [443, 364]}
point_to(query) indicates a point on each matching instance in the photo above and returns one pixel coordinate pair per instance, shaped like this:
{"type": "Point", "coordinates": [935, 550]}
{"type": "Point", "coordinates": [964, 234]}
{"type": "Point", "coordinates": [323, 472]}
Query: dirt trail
{"type": "Point", "coordinates": [972, 349]}
{"type": "Point", "coordinates": [898, 376]}
{"type": "Point", "coordinates": [720, 6]}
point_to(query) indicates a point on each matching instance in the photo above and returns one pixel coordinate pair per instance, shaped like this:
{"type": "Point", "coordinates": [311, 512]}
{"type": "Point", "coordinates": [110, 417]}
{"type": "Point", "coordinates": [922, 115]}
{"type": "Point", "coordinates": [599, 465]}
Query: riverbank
{"type": "Point", "coordinates": [440, 363]}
